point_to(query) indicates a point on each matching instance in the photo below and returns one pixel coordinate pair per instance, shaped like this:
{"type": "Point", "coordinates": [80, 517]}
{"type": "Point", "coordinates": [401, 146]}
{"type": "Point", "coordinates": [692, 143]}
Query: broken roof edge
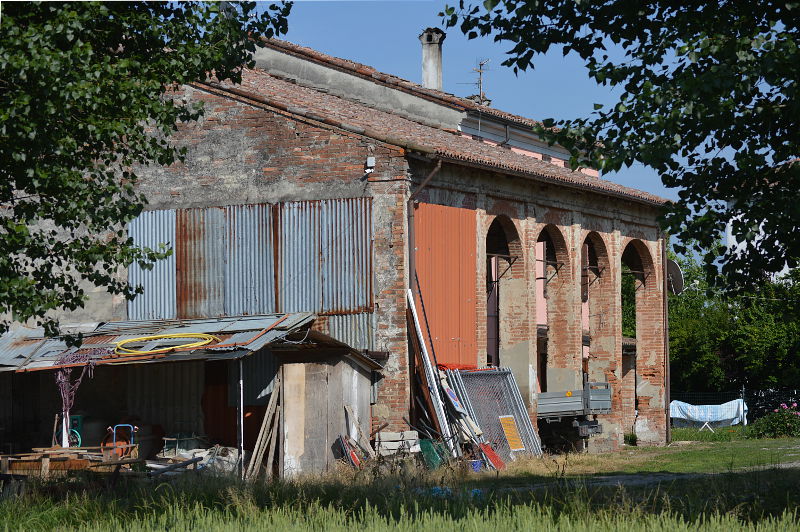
{"type": "Point", "coordinates": [248, 334]}
{"type": "Point", "coordinates": [595, 186]}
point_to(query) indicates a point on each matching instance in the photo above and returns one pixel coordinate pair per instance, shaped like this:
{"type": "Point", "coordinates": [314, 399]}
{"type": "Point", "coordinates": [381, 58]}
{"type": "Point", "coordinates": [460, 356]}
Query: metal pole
{"type": "Point", "coordinates": [240, 423]}
{"type": "Point", "coordinates": [65, 426]}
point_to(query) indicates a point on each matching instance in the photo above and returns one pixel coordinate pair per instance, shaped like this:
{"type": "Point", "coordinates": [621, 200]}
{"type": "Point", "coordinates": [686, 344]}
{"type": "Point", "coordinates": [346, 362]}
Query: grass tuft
{"type": "Point", "coordinates": [708, 486]}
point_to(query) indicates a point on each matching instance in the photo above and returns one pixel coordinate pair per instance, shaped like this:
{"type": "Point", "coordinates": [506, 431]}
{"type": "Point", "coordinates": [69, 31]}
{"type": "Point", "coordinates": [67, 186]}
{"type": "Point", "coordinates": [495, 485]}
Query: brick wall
{"type": "Point", "coordinates": [243, 152]}
{"type": "Point", "coordinates": [571, 221]}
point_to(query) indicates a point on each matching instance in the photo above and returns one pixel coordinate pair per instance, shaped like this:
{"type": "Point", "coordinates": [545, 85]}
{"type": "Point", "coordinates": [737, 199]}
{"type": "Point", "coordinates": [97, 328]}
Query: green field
{"type": "Point", "coordinates": [749, 484]}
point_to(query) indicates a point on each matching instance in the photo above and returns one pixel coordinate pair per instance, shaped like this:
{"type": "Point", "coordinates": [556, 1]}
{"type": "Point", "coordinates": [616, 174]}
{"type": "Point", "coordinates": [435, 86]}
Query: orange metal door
{"type": "Point", "coordinates": [445, 242]}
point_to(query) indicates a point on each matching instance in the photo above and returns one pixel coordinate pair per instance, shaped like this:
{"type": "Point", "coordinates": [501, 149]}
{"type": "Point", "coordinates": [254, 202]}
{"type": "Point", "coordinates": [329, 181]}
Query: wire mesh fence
{"type": "Point", "coordinates": [493, 394]}
{"type": "Point", "coordinates": [759, 402]}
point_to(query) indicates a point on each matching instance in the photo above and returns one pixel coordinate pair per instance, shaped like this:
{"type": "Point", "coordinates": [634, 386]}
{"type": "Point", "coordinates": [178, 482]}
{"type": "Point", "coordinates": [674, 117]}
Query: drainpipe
{"type": "Point", "coordinates": [666, 338]}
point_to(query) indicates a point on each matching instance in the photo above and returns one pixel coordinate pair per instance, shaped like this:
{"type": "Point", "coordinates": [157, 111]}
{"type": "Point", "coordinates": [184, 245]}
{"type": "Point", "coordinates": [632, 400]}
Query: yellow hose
{"type": "Point", "coordinates": [204, 339]}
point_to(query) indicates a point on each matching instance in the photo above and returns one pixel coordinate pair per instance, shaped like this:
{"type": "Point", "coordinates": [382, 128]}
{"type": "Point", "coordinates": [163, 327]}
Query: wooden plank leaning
{"type": "Point", "coordinates": [276, 428]}
{"type": "Point", "coordinates": [261, 441]}
{"type": "Point", "coordinates": [363, 441]}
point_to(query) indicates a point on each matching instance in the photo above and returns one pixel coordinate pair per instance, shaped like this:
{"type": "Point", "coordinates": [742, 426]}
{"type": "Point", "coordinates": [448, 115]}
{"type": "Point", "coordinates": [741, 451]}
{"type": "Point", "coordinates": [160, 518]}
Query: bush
{"type": "Point", "coordinates": [630, 438]}
{"type": "Point", "coordinates": [781, 422]}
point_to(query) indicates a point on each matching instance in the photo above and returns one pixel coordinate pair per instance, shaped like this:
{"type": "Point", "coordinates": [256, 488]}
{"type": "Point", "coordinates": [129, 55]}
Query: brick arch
{"type": "Point", "coordinates": [642, 366]}
{"type": "Point", "coordinates": [598, 309]}
{"type": "Point", "coordinates": [596, 289]}
{"type": "Point", "coordinates": [558, 250]}
{"type": "Point", "coordinates": [502, 228]}
{"type": "Point", "coordinates": [557, 313]}
{"type": "Point", "coordinates": [637, 257]}
{"type": "Point", "coordinates": [505, 284]}
{"type": "Point", "coordinates": [601, 249]}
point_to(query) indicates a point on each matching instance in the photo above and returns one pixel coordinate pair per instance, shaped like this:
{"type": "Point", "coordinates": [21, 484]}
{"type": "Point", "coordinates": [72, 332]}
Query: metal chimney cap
{"type": "Point", "coordinates": [432, 36]}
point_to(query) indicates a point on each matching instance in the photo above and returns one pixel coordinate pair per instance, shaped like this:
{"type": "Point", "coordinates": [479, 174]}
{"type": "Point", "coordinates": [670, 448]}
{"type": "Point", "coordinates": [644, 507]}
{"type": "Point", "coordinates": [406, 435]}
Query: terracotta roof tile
{"type": "Point", "coordinates": [393, 129]}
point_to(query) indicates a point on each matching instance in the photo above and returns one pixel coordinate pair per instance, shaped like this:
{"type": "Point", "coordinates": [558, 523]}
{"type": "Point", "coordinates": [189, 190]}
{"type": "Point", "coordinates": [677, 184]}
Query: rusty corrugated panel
{"type": "Point", "coordinates": [356, 330]}
{"type": "Point", "coordinates": [151, 229]}
{"type": "Point", "coordinates": [445, 259]}
{"type": "Point", "coordinates": [346, 255]}
{"type": "Point", "coordinates": [18, 344]}
{"type": "Point", "coordinates": [100, 339]}
{"type": "Point", "coordinates": [299, 257]}
{"type": "Point", "coordinates": [249, 260]}
{"type": "Point", "coordinates": [325, 256]}
{"type": "Point", "coordinates": [200, 262]}
{"type": "Point", "coordinates": [167, 394]}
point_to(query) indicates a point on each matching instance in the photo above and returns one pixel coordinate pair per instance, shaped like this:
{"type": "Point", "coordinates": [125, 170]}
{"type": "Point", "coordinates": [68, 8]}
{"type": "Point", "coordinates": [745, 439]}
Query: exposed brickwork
{"type": "Point", "coordinates": [246, 152]}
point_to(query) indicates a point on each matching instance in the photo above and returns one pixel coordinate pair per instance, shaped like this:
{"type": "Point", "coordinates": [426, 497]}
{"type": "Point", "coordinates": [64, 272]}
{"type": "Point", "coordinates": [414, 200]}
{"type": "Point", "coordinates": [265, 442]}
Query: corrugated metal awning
{"type": "Point", "coordinates": [25, 349]}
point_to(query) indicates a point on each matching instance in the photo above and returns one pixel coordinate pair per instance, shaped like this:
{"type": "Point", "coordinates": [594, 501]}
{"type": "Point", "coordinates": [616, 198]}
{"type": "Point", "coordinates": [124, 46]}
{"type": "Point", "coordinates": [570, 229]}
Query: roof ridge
{"type": "Point", "coordinates": [372, 74]}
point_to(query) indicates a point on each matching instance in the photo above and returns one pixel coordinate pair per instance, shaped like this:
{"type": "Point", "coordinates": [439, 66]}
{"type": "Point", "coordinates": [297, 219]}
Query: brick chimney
{"type": "Point", "coordinates": [432, 39]}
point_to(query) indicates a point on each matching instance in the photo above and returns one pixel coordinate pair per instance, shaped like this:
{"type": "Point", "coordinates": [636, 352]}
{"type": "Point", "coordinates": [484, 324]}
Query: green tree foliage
{"type": "Point", "coordinates": [708, 97]}
{"type": "Point", "coordinates": [85, 98]}
{"type": "Point", "coordinates": [721, 341]}
{"type": "Point", "coordinates": [628, 302]}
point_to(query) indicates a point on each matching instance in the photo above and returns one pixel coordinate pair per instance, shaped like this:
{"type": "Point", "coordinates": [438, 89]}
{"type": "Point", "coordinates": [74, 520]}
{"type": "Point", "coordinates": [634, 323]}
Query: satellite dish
{"type": "Point", "coordinates": [674, 277]}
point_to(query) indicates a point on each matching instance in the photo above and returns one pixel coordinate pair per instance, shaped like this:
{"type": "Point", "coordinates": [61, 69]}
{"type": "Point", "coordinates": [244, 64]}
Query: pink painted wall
{"type": "Point", "coordinates": [529, 153]}
{"type": "Point", "coordinates": [585, 315]}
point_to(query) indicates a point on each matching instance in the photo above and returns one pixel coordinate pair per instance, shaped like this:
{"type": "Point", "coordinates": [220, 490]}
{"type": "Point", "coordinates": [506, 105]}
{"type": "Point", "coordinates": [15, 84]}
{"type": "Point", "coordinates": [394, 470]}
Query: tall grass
{"type": "Point", "coordinates": [721, 434]}
{"type": "Point", "coordinates": [404, 501]}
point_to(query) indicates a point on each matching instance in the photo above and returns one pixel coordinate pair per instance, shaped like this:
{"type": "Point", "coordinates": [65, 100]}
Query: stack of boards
{"type": "Point", "coordinates": [392, 443]}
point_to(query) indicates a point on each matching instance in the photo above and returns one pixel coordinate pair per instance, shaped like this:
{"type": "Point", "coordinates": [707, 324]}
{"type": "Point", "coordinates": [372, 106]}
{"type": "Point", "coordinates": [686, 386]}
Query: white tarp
{"type": "Point", "coordinates": [730, 413]}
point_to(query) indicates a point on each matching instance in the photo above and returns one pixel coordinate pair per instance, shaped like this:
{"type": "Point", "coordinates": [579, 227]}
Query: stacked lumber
{"type": "Point", "coordinates": [57, 461]}
{"type": "Point", "coordinates": [393, 443]}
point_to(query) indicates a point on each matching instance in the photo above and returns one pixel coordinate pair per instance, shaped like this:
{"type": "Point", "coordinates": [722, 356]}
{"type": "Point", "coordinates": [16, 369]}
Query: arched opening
{"type": "Point", "coordinates": [503, 264]}
{"type": "Point", "coordinates": [553, 368]}
{"type": "Point", "coordinates": [597, 338]}
{"type": "Point", "coordinates": [635, 297]}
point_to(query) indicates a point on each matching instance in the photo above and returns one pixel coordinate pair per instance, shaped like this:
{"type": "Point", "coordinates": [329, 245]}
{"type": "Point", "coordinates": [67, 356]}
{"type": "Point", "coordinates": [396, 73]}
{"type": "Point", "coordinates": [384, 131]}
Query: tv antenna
{"type": "Point", "coordinates": [480, 98]}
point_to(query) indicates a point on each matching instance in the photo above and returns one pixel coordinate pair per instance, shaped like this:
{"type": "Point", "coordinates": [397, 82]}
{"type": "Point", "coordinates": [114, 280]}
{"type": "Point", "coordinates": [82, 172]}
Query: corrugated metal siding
{"type": "Point", "coordinates": [225, 262]}
{"type": "Point", "coordinates": [346, 255]}
{"type": "Point", "coordinates": [249, 260]}
{"type": "Point", "coordinates": [445, 242]}
{"type": "Point", "coordinates": [200, 262]}
{"type": "Point", "coordinates": [325, 256]}
{"type": "Point", "coordinates": [158, 301]}
{"type": "Point", "coordinates": [356, 330]}
{"type": "Point", "coordinates": [168, 395]}
{"type": "Point", "coordinates": [299, 257]}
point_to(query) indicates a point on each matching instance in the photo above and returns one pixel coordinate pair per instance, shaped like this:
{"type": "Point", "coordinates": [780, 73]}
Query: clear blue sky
{"type": "Point", "coordinates": [384, 34]}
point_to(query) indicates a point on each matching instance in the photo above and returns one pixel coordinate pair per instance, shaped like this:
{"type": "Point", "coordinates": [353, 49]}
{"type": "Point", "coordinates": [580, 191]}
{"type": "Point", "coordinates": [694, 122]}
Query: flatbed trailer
{"type": "Point", "coordinates": [582, 404]}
